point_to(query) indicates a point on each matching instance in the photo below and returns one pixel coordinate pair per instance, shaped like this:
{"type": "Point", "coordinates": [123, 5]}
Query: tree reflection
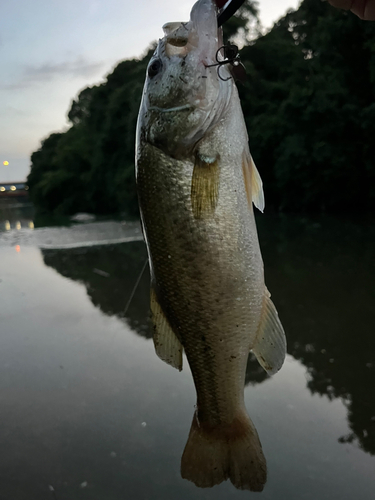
{"type": "Point", "coordinates": [109, 274]}
{"type": "Point", "coordinates": [321, 274]}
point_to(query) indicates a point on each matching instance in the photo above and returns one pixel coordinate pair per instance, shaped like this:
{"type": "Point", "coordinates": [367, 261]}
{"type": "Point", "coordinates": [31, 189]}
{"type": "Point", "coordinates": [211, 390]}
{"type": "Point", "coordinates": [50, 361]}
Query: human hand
{"type": "Point", "coordinates": [364, 9]}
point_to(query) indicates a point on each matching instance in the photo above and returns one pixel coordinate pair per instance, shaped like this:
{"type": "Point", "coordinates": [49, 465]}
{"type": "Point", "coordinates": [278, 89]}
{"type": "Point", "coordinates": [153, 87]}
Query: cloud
{"type": "Point", "coordinates": [79, 67]}
{"type": "Point", "coordinates": [11, 110]}
{"type": "Point", "coordinates": [35, 74]}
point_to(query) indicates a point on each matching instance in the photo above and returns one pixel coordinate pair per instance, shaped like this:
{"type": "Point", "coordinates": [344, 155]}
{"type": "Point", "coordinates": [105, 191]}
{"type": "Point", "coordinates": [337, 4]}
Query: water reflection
{"type": "Point", "coordinates": [109, 274]}
{"type": "Point", "coordinates": [321, 274]}
{"type": "Point", "coordinates": [15, 215]}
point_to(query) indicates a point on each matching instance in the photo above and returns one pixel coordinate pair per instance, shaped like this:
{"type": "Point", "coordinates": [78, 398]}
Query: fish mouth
{"type": "Point", "coordinates": [200, 34]}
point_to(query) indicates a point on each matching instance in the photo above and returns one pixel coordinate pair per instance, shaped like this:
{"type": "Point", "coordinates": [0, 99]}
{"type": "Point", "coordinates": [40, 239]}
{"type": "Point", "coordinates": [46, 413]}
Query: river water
{"type": "Point", "coordinates": [88, 411]}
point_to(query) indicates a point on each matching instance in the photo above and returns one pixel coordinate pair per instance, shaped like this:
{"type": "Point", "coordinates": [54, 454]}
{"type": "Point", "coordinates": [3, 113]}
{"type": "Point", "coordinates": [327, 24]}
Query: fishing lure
{"type": "Point", "coordinates": [231, 56]}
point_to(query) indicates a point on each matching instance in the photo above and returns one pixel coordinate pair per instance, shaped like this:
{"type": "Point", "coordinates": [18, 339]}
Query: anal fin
{"type": "Point", "coordinates": [167, 345]}
{"type": "Point", "coordinates": [270, 343]}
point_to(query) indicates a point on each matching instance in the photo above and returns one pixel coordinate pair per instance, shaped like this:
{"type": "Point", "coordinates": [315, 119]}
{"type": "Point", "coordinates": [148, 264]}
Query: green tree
{"type": "Point", "coordinates": [308, 103]}
{"type": "Point", "coordinates": [309, 94]}
{"type": "Point", "coordinates": [243, 22]}
{"type": "Point", "coordinates": [91, 166]}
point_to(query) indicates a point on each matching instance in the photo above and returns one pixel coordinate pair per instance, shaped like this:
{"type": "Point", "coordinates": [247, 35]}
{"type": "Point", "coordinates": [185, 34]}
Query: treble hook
{"type": "Point", "coordinates": [232, 57]}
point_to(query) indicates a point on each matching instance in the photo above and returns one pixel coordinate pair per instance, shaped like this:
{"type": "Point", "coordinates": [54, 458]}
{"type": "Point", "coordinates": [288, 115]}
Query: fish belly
{"type": "Point", "coordinates": [207, 274]}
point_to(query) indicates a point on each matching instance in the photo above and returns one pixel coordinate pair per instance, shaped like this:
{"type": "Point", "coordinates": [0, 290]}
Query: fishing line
{"type": "Point", "coordinates": [228, 12]}
{"type": "Point", "coordinates": [135, 286]}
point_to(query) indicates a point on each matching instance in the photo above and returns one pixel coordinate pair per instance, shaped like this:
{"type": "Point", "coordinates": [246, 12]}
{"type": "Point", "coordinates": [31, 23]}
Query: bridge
{"type": "Point", "coordinates": [18, 188]}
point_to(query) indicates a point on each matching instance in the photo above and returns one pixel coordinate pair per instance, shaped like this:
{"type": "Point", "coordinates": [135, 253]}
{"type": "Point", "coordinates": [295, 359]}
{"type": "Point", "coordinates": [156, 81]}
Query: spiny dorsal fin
{"type": "Point", "coordinates": [205, 186]}
{"type": "Point", "coordinates": [270, 342]}
{"type": "Point", "coordinates": [167, 345]}
{"type": "Point", "coordinates": [253, 181]}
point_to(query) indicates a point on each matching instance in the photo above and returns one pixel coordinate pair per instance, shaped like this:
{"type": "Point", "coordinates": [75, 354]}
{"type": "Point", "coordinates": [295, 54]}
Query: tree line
{"type": "Point", "coordinates": [309, 105]}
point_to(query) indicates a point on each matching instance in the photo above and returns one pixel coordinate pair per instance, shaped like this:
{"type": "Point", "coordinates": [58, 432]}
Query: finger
{"type": "Point", "coordinates": [342, 4]}
{"type": "Point", "coordinates": [365, 9]}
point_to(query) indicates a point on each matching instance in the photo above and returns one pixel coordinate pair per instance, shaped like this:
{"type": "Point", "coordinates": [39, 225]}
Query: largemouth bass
{"type": "Point", "coordinates": [196, 184]}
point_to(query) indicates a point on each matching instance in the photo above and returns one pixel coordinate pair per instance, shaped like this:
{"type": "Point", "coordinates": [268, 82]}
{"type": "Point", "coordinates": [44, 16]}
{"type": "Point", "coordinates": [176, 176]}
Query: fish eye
{"type": "Point", "coordinates": [154, 68]}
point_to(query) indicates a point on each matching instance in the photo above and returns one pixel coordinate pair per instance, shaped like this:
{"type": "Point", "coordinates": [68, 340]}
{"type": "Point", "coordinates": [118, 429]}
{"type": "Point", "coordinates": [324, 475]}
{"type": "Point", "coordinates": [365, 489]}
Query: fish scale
{"type": "Point", "coordinates": [196, 183]}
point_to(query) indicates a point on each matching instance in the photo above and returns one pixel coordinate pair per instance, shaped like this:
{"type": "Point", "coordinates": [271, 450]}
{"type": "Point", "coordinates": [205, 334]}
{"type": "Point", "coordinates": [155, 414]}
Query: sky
{"type": "Point", "coordinates": [51, 49]}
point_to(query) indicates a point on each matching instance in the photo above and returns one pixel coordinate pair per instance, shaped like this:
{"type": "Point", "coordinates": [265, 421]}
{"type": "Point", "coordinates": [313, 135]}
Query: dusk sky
{"type": "Point", "coordinates": [52, 49]}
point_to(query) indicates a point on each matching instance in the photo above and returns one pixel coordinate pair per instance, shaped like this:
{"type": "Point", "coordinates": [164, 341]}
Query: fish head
{"type": "Point", "coordinates": [183, 95]}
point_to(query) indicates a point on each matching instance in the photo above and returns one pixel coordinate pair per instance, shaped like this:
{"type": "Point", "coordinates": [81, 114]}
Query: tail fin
{"type": "Point", "coordinates": [232, 451]}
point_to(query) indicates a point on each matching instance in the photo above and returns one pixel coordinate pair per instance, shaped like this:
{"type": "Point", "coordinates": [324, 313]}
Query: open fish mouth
{"type": "Point", "coordinates": [184, 97]}
{"type": "Point", "coordinates": [200, 33]}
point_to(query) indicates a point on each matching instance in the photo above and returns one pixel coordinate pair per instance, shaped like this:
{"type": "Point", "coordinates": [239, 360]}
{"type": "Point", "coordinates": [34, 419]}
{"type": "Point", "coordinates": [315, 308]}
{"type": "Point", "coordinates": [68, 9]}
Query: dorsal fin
{"type": "Point", "coordinates": [253, 181]}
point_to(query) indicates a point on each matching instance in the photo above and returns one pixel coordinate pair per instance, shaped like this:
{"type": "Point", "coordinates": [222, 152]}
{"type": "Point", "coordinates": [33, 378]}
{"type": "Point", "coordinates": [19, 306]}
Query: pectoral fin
{"type": "Point", "coordinates": [167, 345]}
{"type": "Point", "coordinates": [270, 343]}
{"type": "Point", "coordinates": [204, 186]}
{"type": "Point", "coordinates": [253, 181]}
